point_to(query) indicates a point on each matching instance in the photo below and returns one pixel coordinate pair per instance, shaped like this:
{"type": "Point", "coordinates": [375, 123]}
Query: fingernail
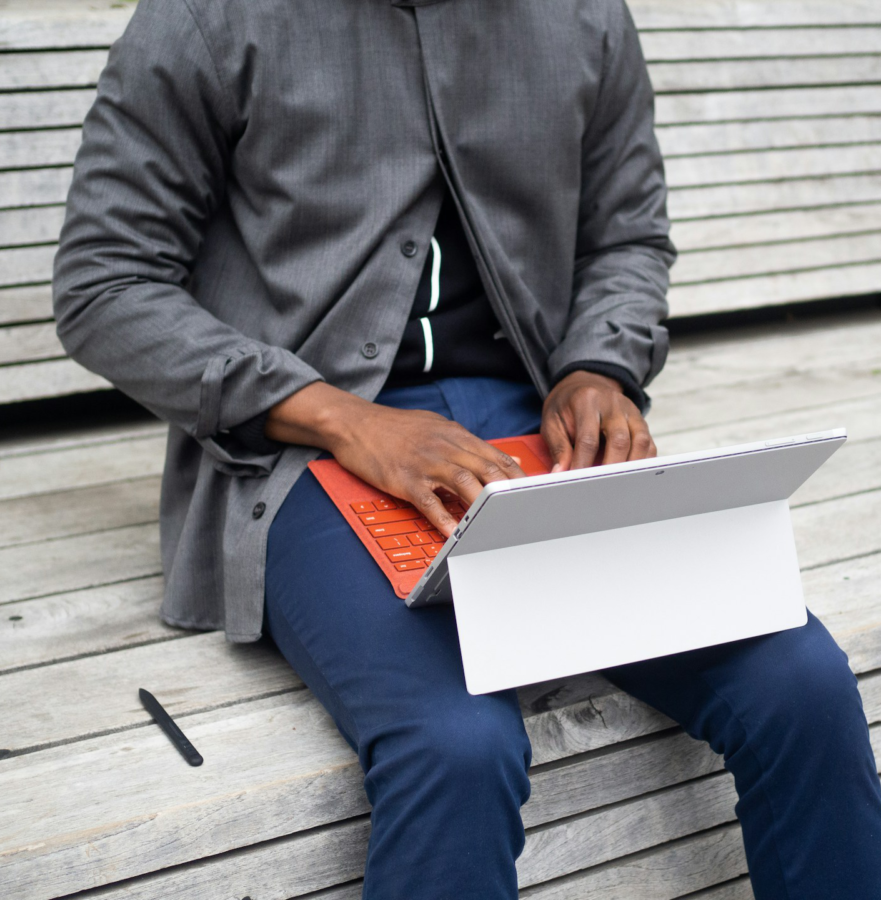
{"type": "Point", "coordinates": [557, 468]}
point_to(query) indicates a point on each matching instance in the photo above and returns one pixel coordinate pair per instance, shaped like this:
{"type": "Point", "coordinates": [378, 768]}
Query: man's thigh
{"type": "Point", "coordinates": [369, 659]}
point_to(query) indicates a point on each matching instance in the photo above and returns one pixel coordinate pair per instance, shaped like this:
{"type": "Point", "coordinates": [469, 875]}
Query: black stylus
{"type": "Point", "coordinates": [168, 725]}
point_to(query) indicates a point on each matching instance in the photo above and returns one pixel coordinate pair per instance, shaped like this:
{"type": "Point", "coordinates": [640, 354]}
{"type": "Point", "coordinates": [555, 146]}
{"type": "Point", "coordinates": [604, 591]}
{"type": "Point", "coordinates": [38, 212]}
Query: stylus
{"type": "Point", "coordinates": [169, 726]}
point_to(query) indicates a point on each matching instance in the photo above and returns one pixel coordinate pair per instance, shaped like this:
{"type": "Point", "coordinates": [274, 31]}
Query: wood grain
{"type": "Point", "coordinates": [24, 343]}
{"type": "Point", "coordinates": [56, 378]}
{"type": "Point", "coordinates": [35, 225]}
{"type": "Point", "coordinates": [56, 69]}
{"type": "Point", "coordinates": [34, 187]}
{"type": "Point", "coordinates": [25, 304]}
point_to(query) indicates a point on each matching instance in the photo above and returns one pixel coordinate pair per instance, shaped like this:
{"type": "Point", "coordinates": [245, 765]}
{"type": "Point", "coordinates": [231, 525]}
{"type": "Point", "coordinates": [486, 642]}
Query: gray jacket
{"type": "Point", "coordinates": [248, 177]}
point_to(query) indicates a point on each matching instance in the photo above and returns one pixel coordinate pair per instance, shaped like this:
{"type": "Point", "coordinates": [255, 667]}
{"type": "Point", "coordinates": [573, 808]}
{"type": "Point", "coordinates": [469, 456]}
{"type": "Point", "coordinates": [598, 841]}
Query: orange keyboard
{"type": "Point", "coordinates": [395, 533]}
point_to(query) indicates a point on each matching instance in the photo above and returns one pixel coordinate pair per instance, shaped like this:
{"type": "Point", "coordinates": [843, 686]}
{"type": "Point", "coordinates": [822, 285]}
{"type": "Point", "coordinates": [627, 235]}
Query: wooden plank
{"type": "Point", "coordinates": [800, 193]}
{"type": "Point", "coordinates": [747, 355]}
{"type": "Point", "coordinates": [79, 623]}
{"type": "Point", "coordinates": [787, 256]}
{"type": "Point", "coordinates": [737, 168]}
{"type": "Point", "coordinates": [57, 378]}
{"type": "Point", "coordinates": [28, 471]}
{"type": "Point", "coordinates": [670, 14]}
{"type": "Point", "coordinates": [763, 228]}
{"type": "Point", "coordinates": [35, 24]}
{"type": "Point", "coordinates": [25, 304]}
{"type": "Point", "coordinates": [23, 343]}
{"type": "Point", "coordinates": [764, 43]}
{"type": "Point", "coordinates": [36, 225]}
{"type": "Point", "coordinates": [79, 562]}
{"type": "Point", "coordinates": [732, 890]}
{"type": "Point", "coordinates": [26, 265]}
{"type": "Point", "coordinates": [751, 105]}
{"type": "Point", "coordinates": [45, 109]}
{"type": "Point", "coordinates": [846, 527]}
{"type": "Point", "coordinates": [861, 416]}
{"type": "Point", "coordinates": [855, 468]}
{"type": "Point", "coordinates": [767, 134]}
{"type": "Point", "coordinates": [34, 187]}
{"type": "Point", "coordinates": [821, 398]}
{"type": "Point", "coordinates": [770, 290]}
{"type": "Point", "coordinates": [29, 149]}
{"type": "Point", "coordinates": [83, 707]}
{"type": "Point", "coordinates": [740, 74]}
{"type": "Point", "coordinates": [53, 69]}
{"type": "Point", "coordinates": [669, 872]}
{"type": "Point", "coordinates": [45, 517]}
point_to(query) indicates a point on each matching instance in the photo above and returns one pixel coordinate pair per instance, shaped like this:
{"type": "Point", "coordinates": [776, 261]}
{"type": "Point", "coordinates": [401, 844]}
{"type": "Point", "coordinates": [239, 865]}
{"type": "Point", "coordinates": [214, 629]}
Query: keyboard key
{"type": "Point", "coordinates": [379, 531]}
{"type": "Point", "coordinates": [389, 515]}
{"type": "Point", "coordinates": [363, 506]}
{"type": "Point", "coordinates": [432, 549]}
{"type": "Point", "coordinates": [410, 564]}
{"type": "Point", "coordinates": [384, 504]}
{"type": "Point", "coordinates": [436, 536]}
{"type": "Point", "coordinates": [398, 540]}
{"type": "Point", "coordinates": [420, 538]}
{"type": "Point", "coordinates": [409, 553]}
{"type": "Point", "coordinates": [423, 524]}
{"type": "Point", "coordinates": [456, 509]}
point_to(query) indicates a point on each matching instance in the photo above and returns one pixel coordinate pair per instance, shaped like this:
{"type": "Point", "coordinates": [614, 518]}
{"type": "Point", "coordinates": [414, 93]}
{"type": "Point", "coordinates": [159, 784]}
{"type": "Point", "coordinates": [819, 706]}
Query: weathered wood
{"type": "Point", "coordinates": [54, 69]}
{"type": "Point", "coordinates": [780, 394]}
{"type": "Point", "coordinates": [134, 453]}
{"type": "Point", "coordinates": [753, 43]}
{"type": "Point", "coordinates": [199, 673]}
{"type": "Point", "coordinates": [672, 871]}
{"type": "Point", "coordinates": [36, 225]}
{"type": "Point", "coordinates": [775, 227]}
{"type": "Point", "coordinates": [45, 109]}
{"type": "Point", "coordinates": [750, 354]}
{"type": "Point", "coordinates": [36, 24]}
{"type": "Point", "coordinates": [670, 14]}
{"type": "Point", "coordinates": [96, 620]}
{"type": "Point", "coordinates": [26, 265]}
{"type": "Point", "coordinates": [806, 193]}
{"type": "Point", "coordinates": [45, 517]}
{"type": "Point", "coordinates": [739, 74]}
{"type": "Point", "coordinates": [25, 304]}
{"type": "Point", "coordinates": [770, 290]}
{"type": "Point", "coordinates": [56, 378]}
{"type": "Point", "coordinates": [739, 889]}
{"type": "Point", "coordinates": [837, 529]}
{"type": "Point", "coordinates": [79, 562]}
{"type": "Point", "coordinates": [787, 256]}
{"type": "Point", "coordinates": [34, 187]}
{"type": "Point", "coordinates": [727, 106]}
{"type": "Point", "coordinates": [30, 149]}
{"type": "Point", "coordinates": [771, 165]}
{"type": "Point", "coordinates": [22, 343]}
{"type": "Point", "coordinates": [855, 468]}
{"type": "Point", "coordinates": [861, 417]}
{"type": "Point", "coordinates": [767, 134]}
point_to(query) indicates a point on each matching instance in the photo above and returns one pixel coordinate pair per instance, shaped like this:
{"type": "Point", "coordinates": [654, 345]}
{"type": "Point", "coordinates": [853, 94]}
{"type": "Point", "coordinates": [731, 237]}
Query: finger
{"type": "Point", "coordinates": [424, 498]}
{"type": "Point", "coordinates": [463, 478]}
{"type": "Point", "coordinates": [618, 440]}
{"type": "Point", "coordinates": [641, 444]}
{"type": "Point", "coordinates": [587, 439]}
{"type": "Point", "coordinates": [489, 463]}
{"type": "Point", "coordinates": [556, 437]}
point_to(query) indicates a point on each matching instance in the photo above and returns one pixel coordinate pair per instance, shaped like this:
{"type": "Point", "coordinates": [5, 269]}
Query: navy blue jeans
{"type": "Point", "coordinates": [446, 772]}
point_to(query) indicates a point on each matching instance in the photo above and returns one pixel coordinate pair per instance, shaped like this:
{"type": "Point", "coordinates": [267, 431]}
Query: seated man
{"type": "Point", "coordinates": [391, 229]}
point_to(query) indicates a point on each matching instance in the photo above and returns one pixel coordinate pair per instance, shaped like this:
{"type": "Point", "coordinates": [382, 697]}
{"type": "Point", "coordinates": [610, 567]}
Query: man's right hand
{"type": "Point", "coordinates": [410, 454]}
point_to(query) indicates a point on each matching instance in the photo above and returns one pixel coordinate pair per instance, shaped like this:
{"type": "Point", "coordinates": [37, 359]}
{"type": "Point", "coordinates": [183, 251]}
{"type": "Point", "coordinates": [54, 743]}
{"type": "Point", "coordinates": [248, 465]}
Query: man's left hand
{"type": "Point", "coordinates": [588, 421]}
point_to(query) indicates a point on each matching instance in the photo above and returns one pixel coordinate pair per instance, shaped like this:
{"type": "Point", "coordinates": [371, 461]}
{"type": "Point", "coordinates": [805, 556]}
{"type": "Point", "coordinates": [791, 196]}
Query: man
{"type": "Point", "coordinates": [390, 229]}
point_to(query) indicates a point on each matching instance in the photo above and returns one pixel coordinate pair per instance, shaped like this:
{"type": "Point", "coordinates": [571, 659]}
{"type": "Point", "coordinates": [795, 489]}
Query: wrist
{"type": "Point", "coordinates": [318, 415]}
{"type": "Point", "coordinates": [592, 379]}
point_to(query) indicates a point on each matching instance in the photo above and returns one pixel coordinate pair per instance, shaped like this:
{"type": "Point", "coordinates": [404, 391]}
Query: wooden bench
{"type": "Point", "coordinates": [768, 210]}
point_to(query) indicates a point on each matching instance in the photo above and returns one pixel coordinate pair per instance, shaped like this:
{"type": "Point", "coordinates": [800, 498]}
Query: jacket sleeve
{"type": "Point", "coordinates": [148, 177]}
{"type": "Point", "coordinates": [623, 251]}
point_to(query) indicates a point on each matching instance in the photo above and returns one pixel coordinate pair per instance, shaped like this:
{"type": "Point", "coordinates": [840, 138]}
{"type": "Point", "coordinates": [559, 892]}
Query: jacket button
{"type": "Point", "coordinates": [409, 248]}
{"type": "Point", "coordinates": [370, 350]}
{"type": "Point", "coordinates": [258, 510]}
